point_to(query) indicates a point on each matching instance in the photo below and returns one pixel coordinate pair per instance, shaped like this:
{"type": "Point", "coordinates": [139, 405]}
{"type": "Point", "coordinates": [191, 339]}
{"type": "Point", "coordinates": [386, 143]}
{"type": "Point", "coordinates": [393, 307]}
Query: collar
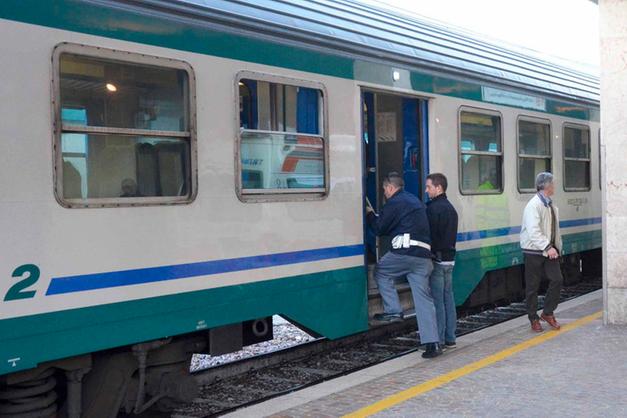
{"type": "Point", "coordinates": [546, 201]}
{"type": "Point", "coordinates": [396, 193]}
{"type": "Point", "coordinates": [438, 197]}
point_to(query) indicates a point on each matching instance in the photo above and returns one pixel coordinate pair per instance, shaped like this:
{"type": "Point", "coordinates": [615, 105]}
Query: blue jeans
{"type": "Point", "coordinates": [417, 270]}
{"type": "Point", "coordinates": [441, 282]}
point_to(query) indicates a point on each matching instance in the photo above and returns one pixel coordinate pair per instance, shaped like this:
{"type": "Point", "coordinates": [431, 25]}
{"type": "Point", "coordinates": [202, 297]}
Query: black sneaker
{"type": "Point", "coordinates": [450, 344]}
{"type": "Point", "coordinates": [433, 350]}
{"type": "Point", "coordinates": [386, 317]}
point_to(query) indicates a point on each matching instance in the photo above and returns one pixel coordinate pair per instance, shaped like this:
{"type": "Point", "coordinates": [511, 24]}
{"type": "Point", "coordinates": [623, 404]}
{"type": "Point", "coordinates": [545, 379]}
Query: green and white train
{"type": "Point", "coordinates": [174, 173]}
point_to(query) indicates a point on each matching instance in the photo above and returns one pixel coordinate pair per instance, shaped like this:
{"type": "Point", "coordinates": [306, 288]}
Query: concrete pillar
{"type": "Point", "coordinates": [613, 34]}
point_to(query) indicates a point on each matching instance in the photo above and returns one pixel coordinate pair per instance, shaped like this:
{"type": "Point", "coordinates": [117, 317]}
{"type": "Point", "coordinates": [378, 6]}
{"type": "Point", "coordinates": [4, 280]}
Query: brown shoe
{"type": "Point", "coordinates": [550, 319]}
{"type": "Point", "coordinates": [535, 326]}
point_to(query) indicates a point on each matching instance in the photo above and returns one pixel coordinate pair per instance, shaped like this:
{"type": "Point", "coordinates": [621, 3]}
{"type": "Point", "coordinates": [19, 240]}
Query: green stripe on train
{"type": "Point", "coordinates": [98, 19]}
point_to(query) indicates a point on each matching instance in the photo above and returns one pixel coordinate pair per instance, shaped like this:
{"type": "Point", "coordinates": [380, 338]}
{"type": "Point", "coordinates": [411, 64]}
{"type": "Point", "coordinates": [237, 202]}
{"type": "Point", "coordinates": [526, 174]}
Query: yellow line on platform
{"type": "Point", "coordinates": [469, 368]}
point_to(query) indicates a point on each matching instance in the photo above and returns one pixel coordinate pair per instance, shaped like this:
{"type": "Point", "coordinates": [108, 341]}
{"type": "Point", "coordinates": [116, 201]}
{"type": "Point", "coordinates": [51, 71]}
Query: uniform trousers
{"type": "Point", "coordinates": [417, 269]}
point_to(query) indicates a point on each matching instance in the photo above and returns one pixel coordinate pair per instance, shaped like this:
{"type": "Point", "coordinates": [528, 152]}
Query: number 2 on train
{"type": "Point", "coordinates": [17, 291]}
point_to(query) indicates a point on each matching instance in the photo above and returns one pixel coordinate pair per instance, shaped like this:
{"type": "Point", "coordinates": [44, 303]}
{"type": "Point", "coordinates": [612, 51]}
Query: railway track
{"type": "Point", "coordinates": [245, 382]}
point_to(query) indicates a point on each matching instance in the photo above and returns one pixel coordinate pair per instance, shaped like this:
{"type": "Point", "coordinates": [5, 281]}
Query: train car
{"type": "Point", "coordinates": [177, 172]}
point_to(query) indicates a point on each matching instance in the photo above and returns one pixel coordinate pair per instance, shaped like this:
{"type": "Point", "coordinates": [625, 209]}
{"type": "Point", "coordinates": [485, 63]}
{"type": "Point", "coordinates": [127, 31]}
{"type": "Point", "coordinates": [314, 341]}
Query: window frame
{"type": "Point", "coordinates": [59, 128]}
{"type": "Point", "coordinates": [564, 158]}
{"type": "Point", "coordinates": [532, 119]}
{"type": "Point", "coordinates": [281, 195]}
{"type": "Point", "coordinates": [460, 153]}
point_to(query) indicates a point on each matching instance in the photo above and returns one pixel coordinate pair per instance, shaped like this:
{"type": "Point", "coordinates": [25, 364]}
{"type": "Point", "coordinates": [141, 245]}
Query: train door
{"type": "Point", "coordinates": [394, 139]}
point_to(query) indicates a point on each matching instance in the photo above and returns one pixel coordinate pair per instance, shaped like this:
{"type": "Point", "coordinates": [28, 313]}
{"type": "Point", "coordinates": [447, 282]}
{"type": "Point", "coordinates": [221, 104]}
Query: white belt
{"type": "Point", "coordinates": [405, 241]}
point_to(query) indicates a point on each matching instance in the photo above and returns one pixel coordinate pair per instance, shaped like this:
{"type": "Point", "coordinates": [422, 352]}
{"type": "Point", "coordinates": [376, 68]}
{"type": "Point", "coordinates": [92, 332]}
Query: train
{"type": "Point", "coordinates": [177, 172]}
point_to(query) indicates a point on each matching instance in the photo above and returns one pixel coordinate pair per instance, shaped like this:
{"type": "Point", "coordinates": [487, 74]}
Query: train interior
{"type": "Point", "coordinates": [395, 139]}
{"type": "Point", "coordinates": [133, 98]}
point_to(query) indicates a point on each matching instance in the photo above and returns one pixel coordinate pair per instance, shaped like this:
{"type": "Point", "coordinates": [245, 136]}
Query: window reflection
{"type": "Point", "coordinates": [281, 143]}
{"type": "Point", "coordinates": [281, 161]}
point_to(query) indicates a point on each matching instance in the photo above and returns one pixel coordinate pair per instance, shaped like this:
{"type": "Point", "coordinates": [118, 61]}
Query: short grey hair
{"type": "Point", "coordinates": [543, 179]}
{"type": "Point", "coordinates": [394, 179]}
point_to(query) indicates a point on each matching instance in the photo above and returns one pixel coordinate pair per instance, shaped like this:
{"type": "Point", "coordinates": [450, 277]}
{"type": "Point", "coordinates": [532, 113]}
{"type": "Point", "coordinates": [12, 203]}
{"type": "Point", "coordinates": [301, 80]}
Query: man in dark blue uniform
{"type": "Point", "coordinates": [404, 219]}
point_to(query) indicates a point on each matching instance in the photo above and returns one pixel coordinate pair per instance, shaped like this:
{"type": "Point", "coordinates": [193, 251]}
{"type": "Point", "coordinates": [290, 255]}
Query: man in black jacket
{"type": "Point", "coordinates": [443, 226]}
{"type": "Point", "coordinates": [404, 219]}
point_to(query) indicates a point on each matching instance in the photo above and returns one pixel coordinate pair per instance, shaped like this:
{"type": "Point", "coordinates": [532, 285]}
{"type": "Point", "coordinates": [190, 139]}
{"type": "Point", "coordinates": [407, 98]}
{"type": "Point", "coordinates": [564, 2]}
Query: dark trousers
{"type": "Point", "coordinates": [536, 267]}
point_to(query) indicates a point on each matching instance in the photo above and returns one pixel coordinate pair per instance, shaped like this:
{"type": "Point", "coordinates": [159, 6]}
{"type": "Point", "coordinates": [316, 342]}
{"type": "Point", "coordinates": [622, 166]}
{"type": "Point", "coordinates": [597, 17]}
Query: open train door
{"type": "Point", "coordinates": [395, 138]}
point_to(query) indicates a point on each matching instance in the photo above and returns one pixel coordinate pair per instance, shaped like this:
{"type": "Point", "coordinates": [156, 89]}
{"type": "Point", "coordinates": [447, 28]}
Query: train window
{"type": "Point", "coordinates": [534, 151]}
{"type": "Point", "coordinates": [481, 154]}
{"type": "Point", "coordinates": [282, 146]}
{"type": "Point", "coordinates": [124, 128]}
{"type": "Point", "coordinates": [576, 158]}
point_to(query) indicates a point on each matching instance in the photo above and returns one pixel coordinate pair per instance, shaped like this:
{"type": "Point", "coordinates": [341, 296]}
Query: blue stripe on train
{"type": "Point", "coordinates": [511, 230]}
{"type": "Point", "coordinates": [70, 284]}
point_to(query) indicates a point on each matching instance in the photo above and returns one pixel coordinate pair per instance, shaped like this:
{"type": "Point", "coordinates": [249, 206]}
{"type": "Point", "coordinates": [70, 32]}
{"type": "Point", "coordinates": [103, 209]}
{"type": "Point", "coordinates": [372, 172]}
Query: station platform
{"type": "Point", "coordinates": [504, 370]}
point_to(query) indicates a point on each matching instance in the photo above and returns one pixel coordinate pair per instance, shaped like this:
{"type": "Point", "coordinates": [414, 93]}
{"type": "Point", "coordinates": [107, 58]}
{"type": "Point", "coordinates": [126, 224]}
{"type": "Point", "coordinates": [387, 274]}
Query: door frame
{"type": "Point", "coordinates": [423, 129]}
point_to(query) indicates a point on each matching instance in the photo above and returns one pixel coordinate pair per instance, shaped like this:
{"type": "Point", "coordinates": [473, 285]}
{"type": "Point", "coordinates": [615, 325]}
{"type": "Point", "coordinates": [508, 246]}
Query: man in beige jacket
{"type": "Point", "coordinates": [541, 243]}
